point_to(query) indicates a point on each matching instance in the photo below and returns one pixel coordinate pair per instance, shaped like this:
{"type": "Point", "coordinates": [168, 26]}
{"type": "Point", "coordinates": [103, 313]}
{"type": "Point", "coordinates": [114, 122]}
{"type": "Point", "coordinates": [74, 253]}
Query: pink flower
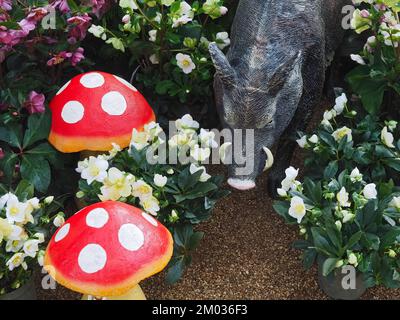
{"type": "Point", "coordinates": [59, 57]}
{"type": "Point", "coordinates": [99, 7]}
{"type": "Point", "coordinates": [79, 27]}
{"type": "Point", "coordinates": [35, 102]}
{"type": "Point", "coordinates": [77, 56]}
{"type": "Point", "coordinates": [6, 5]}
{"type": "Point", "coordinates": [62, 5]}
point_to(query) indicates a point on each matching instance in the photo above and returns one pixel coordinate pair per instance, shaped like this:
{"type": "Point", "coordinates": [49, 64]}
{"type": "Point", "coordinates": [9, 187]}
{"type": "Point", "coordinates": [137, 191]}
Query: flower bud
{"type": "Point", "coordinates": [392, 253]}
{"type": "Point", "coordinates": [339, 264]}
{"type": "Point", "coordinates": [80, 194]}
{"type": "Point", "coordinates": [48, 199]}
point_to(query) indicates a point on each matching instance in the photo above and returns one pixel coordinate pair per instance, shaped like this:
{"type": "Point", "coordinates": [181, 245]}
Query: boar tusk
{"type": "Point", "coordinates": [270, 159]}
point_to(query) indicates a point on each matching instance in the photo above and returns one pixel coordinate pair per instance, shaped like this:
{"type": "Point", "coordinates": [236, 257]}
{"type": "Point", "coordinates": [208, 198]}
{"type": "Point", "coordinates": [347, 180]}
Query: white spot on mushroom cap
{"type": "Point", "coordinates": [130, 237]}
{"type": "Point", "coordinates": [72, 112]}
{"type": "Point", "coordinates": [129, 85]}
{"type": "Point", "coordinates": [150, 219]}
{"type": "Point", "coordinates": [62, 232]}
{"type": "Point", "coordinates": [97, 218]}
{"type": "Point", "coordinates": [113, 103]}
{"type": "Point", "coordinates": [92, 258]}
{"type": "Point", "coordinates": [92, 80]}
{"type": "Point", "coordinates": [63, 88]}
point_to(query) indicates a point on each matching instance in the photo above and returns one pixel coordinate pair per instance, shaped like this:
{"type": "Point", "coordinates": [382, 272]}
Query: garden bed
{"type": "Point", "coordinates": [246, 254]}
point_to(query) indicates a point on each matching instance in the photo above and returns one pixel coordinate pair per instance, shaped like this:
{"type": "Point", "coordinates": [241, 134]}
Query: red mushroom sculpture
{"type": "Point", "coordinates": [95, 109]}
{"type": "Point", "coordinates": [107, 248]}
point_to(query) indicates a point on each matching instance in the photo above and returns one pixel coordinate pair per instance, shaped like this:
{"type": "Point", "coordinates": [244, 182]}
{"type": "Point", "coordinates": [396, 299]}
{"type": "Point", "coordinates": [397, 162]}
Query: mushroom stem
{"type": "Point", "coordinates": [136, 293]}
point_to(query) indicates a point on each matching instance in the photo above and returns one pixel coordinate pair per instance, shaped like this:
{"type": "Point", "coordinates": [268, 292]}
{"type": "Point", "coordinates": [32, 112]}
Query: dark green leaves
{"type": "Point", "coordinates": [36, 170]}
{"type": "Point", "coordinates": [38, 128]}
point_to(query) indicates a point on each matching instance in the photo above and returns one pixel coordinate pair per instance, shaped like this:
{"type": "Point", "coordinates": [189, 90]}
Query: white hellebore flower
{"type": "Point", "coordinates": [15, 210]}
{"type": "Point", "coordinates": [98, 31]}
{"type": "Point", "coordinates": [302, 142]}
{"type": "Point", "coordinates": [352, 259]}
{"type": "Point", "coordinates": [128, 4]}
{"type": "Point", "coordinates": [357, 58]}
{"type": "Point", "coordinates": [186, 122]}
{"type": "Point", "coordinates": [370, 192]}
{"type": "Point", "coordinates": [355, 175]}
{"type": "Point", "coordinates": [31, 247]}
{"type": "Point", "coordinates": [204, 176]}
{"type": "Point", "coordinates": [159, 180]}
{"type": "Point", "coordinates": [297, 208]}
{"type": "Point", "coordinates": [339, 134]}
{"type": "Point", "coordinates": [96, 170]}
{"type": "Point", "coordinates": [313, 138]}
{"type": "Point", "coordinates": [340, 103]}
{"type": "Point", "coordinates": [207, 138]}
{"type": "Point", "coordinates": [185, 62]}
{"type": "Point", "coordinates": [387, 138]}
{"type": "Point", "coordinates": [48, 199]}
{"type": "Point", "coordinates": [154, 59]}
{"type": "Point", "coordinates": [16, 233]}
{"type": "Point", "coordinates": [152, 35]}
{"type": "Point", "coordinates": [150, 204]}
{"type": "Point", "coordinates": [15, 261]}
{"type": "Point", "coordinates": [395, 203]}
{"type": "Point", "coordinates": [222, 40]}
{"type": "Point", "coordinates": [343, 198]}
{"type": "Point", "coordinates": [141, 189]}
{"type": "Point", "coordinates": [116, 185]}
{"type": "Point", "coordinates": [347, 216]}
{"type": "Point", "coordinates": [290, 180]}
{"type": "Point", "coordinates": [59, 220]}
{"type": "Point", "coordinates": [200, 154]}
{"type": "Point", "coordinates": [140, 139]}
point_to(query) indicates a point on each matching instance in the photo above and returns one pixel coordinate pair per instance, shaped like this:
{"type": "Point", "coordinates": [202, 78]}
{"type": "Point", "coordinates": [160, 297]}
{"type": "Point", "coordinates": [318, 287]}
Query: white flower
{"type": "Point", "coordinates": [207, 139]}
{"type": "Point", "coordinates": [302, 142]}
{"type": "Point", "coordinates": [222, 40]}
{"type": "Point", "coordinates": [150, 204]}
{"type": "Point", "coordinates": [329, 114]}
{"type": "Point", "coordinates": [185, 13]}
{"type": "Point", "coordinates": [338, 225]}
{"type": "Point", "coordinates": [297, 208]}
{"type": "Point", "coordinates": [116, 185]}
{"type": "Point", "coordinates": [128, 4]}
{"type": "Point", "coordinates": [40, 258]}
{"type": "Point", "coordinates": [153, 35]}
{"type": "Point", "coordinates": [355, 175]}
{"type": "Point", "coordinates": [186, 122]}
{"type": "Point", "coordinates": [290, 180]}
{"type": "Point", "coordinates": [160, 180]}
{"type": "Point", "coordinates": [154, 59]}
{"type": "Point", "coordinates": [15, 261]}
{"type": "Point", "coordinates": [185, 62]}
{"type": "Point", "coordinates": [6, 229]}
{"type": "Point", "coordinates": [353, 259]}
{"type": "Point", "coordinates": [59, 220]}
{"type": "Point", "coordinates": [14, 245]}
{"type": "Point", "coordinates": [204, 176]}
{"type": "Point", "coordinates": [313, 138]}
{"type": "Point", "coordinates": [39, 236]}
{"type": "Point", "coordinates": [15, 210]}
{"type": "Point", "coordinates": [31, 247]}
{"type": "Point", "coordinates": [340, 103]}
{"type": "Point", "coordinates": [357, 58]}
{"type": "Point", "coordinates": [200, 154]}
{"type": "Point", "coordinates": [48, 199]}
{"type": "Point", "coordinates": [140, 139]}
{"type": "Point", "coordinates": [141, 189]}
{"type": "Point", "coordinates": [387, 138]}
{"type": "Point", "coordinates": [223, 10]}
{"type": "Point", "coordinates": [181, 21]}
{"type": "Point", "coordinates": [281, 192]}
{"type": "Point", "coordinates": [96, 170]}
{"type": "Point", "coordinates": [395, 203]}
{"type": "Point", "coordinates": [370, 192]}
{"type": "Point", "coordinates": [343, 198]}
{"type": "Point", "coordinates": [34, 203]}
{"type": "Point", "coordinates": [17, 233]}
{"type": "Point", "coordinates": [347, 216]}
{"type": "Point", "coordinates": [339, 134]}
{"type": "Point", "coordinates": [170, 171]}
{"type": "Point", "coordinates": [98, 31]}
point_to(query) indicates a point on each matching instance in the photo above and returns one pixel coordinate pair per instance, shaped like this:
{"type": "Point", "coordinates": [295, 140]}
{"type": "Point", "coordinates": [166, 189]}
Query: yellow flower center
{"type": "Point", "coordinates": [185, 63]}
{"type": "Point", "coordinates": [14, 211]}
{"type": "Point", "coordinates": [299, 208]}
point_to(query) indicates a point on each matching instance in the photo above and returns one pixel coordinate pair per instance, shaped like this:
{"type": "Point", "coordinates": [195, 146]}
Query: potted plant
{"type": "Point", "coordinates": [347, 207]}
{"type": "Point", "coordinates": [24, 227]}
{"type": "Point", "coordinates": [179, 194]}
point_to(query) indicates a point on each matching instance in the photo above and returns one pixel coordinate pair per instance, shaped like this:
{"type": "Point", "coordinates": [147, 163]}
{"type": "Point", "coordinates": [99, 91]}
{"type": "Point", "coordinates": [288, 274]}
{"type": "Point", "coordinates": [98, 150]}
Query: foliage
{"type": "Point", "coordinates": [179, 193]}
{"type": "Point", "coordinates": [168, 41]}
{"type": "Point", "coordinates": [24, 226]}
{"type": "Point", "coordinates": [379, 69]}
{"type": "Point", "coordinates": [348, 206]}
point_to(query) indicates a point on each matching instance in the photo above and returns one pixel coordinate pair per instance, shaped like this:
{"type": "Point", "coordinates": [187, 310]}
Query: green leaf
{"type": "Point", "coordinates": [321, 242]}
{"type": "Point", "coordinates": [175, 271]}
{"type": "Point", "coordinates": [331, 170]}
{"type": "Point", "coordinates": [12, 134]}
{"type": "Point", "coordinates": [37, 171]}
{"type": "Point", "coordinates": [353, 240]}
{"type": "Point", "coordinates": [38, 128]}
{"type": "Point", "coordinates": [195, 240]}
{"type": "Point", "coordinates": [329, 266]}
{"type": "Point", "coordinates": [24, 190]}
{"type": "Point", "coordinates": [309, 257]}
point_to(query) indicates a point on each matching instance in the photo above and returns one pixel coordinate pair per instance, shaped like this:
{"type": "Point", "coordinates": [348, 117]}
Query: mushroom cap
{"type": "Point", "coordinates": [95, 109]}
{"type": "Point", "coordinates": [107, 248]}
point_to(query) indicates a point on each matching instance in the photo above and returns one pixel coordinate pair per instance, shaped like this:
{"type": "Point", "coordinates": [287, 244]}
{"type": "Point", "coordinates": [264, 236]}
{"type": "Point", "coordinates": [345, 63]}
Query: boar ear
{"type": "Point", "coordinates": [222, 65]}
{"type": "Point", "coordinates": [280, 77]}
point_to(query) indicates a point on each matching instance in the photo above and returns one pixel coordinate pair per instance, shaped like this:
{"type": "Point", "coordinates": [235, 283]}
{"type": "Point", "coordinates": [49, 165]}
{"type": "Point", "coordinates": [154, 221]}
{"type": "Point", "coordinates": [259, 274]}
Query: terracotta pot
{"type": "Point", "coordinates": [25, 292]}
{"type": "Point", "coordinates": [338, 284]}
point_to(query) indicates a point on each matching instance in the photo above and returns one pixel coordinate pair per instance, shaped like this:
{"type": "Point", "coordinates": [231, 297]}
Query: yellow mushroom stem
{"type": "Point", "coordinates": [136, 293]}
